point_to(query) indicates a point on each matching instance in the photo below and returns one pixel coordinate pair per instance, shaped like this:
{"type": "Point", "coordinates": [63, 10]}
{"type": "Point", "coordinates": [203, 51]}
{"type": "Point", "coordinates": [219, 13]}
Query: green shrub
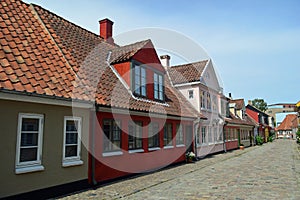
{"type": "Point", "coordinates": [259, 140]}
{"type": "Point", "coordinates": [270, 139]}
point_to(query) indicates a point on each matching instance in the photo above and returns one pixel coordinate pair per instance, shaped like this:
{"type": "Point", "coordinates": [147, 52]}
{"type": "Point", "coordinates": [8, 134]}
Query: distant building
{"type": "Point", "coordinates": [288, 127]}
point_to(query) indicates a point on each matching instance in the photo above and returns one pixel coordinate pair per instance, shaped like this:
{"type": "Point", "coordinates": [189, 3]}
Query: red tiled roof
{"type": "Point", "coordinates": [124, 53]}
{"type": "Point", "coordinates": [45, 54]}
{"type": "Point", "coordinates": [289, 122]}
{"type": "Point", "coordinates": [239, 103]}
{"type": "Point", "coordinates": [187, 73]}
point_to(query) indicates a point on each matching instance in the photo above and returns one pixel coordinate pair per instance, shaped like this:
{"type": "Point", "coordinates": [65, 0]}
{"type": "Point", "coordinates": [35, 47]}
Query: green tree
{"type": "Point", "coordinates": [260, 104]}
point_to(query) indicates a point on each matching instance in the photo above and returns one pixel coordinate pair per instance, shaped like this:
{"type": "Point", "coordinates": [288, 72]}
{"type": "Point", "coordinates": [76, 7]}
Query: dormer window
{"type": "Point", "coordinates": [158, 83]}
{"type": "Point", "coordinates": [139, 80]}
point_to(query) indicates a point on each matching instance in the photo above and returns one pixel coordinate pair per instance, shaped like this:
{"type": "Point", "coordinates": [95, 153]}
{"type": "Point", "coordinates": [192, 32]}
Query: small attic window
{"type": "Point", "coordinates": [191, 94]}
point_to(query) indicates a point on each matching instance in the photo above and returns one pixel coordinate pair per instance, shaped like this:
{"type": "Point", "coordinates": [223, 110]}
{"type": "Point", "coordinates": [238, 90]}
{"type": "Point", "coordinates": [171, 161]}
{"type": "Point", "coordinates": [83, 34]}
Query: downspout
{"type": "Point", "coordinates": [224, 137]}
{"type": "Point", "coordinates": [93, 113]}
{"type": "Point", "coordinates": [196, 124]}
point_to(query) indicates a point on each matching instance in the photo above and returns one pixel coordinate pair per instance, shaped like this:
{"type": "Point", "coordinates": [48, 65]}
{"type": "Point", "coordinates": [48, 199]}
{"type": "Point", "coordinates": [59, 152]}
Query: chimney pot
{"type": "Point", "coordinates": [106, 30]}
{"type": "Point", "coordinates": [165, 60]}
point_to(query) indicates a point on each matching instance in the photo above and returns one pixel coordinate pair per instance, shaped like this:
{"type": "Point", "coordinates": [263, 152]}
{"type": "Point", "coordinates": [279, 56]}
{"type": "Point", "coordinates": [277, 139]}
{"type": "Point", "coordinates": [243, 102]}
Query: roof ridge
{"type": "Point", "coordinates": [135, 43]}
{"type": "Point", "coordinates": [196, 62]}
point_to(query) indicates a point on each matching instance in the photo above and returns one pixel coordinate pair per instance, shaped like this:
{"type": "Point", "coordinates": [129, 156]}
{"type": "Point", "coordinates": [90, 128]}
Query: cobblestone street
{"type": "Point", "coordinates": [270, 171]}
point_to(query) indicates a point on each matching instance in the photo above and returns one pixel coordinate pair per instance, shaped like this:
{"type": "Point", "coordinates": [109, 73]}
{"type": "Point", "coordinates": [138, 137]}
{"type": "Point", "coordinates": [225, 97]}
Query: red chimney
{"type": "Point", "coordinates": [106, 30]}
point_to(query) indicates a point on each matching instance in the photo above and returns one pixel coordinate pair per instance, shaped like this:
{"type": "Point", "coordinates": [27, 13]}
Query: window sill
{"type": "Point", "coordinates": [113, 153]}
{"type": "Point", "coordinates": [153, 149]}
{"type": "Point", "coordinates": [168, 147]}
{"type": "Point", "coordinates": [180, 145]}
{"type": "Point", "coordinates": [23, 170]}
{"type": "Point", "coordinates": [70, 163]}
{"type": "Point", "coordinates": [203, 145]}
{"type": "Point", "coordinates": [136, 151]}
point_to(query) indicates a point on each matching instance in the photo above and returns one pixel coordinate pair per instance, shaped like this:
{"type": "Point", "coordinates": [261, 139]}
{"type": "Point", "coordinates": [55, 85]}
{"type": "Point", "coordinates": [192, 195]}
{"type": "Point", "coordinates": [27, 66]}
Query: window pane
{"type": "Point", "coordinates": [155, 78]}
{"type": "Point", "coordinates": [71, 150]}
{"type": "Point", "coordinates": [71, 138]}
{"type": "Point", "coordinates": [143, 90]}
{"type": "Point", "coordinates": [153, 134]}
{"type": "Point", "coordinates": [112, 132]}
{"type": "Point", "coordinates": [29, 124]}
{"type": "Point", "coordinates": [29, 139]}
{"type": "Point", "coordinates": [28, 154]}
{"type": "Point", "coordinates": [71, 125]}
{"type": "Point", "coordinates": [160, 80]}
{"type": "Point", "coordinates": [143, 70]}
{"type": "Point", "coordinates": [168, 135]}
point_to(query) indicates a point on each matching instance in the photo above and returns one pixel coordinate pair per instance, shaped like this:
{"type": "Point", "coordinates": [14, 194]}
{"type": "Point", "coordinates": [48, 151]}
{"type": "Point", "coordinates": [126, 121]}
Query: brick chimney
{"type": "Point", "coordinates": [106, 30]}
{"type": "Point", "coordinates": [165, 61]}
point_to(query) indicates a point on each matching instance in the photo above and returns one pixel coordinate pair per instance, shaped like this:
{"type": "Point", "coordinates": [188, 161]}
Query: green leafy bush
{"type": "Point", "coordinates": [259, 140]}
{"type": "Point", "coordinates": [270, 139]}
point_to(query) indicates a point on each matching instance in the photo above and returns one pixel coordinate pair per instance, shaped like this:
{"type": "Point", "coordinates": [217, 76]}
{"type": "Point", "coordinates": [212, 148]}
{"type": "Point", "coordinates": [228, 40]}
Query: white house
{"type": "Point", "coordinates": [199, 84]}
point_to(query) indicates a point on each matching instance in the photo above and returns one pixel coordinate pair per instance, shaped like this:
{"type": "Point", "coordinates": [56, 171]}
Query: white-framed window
{"type": "Point", "coordinates": [179, 135]}
{"type": "Point", "coordinates": [215, 132]}
{"type": "Point", "coordinates": [214, 102]}
{"type": "Point", "coordinates": [72, 141]}
{"type": "Point", "coordinates": [168, 129]}
{"type": "Point", "coordinates": [135, 135]}
{"type": "Point", "coordinates": [29, 143]}
{"type": "Point", "coordinates": [139, 83]}
{"type": "Point", "coordinates": [209, 134]}
{"type": "Point", "coordinates": [220, 138]}
{"type": "Point", "coordinates": [112, 135]}
{"type": "Point", "coordinates": [153, 135]}
{"type": "Point", "coordinates": [158, 85]}
{"type": "Point", "coordinates": [203, 133]}
{"type": "Point", "coordinates": [202, 99]}
{"type": "Point", "coordinates": [208, 101]}
{"type": "Point", "coordinates": [191, 94]}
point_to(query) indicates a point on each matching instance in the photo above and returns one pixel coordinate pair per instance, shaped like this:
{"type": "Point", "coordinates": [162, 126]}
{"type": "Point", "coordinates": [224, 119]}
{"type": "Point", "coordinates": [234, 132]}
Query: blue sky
{"type": "Point", "coordinates": [254, 44]}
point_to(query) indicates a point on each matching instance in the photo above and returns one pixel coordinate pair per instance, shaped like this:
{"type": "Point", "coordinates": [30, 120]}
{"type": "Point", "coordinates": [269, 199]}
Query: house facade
{"type": "Point", "coordinates": [238, 129]}
{"type": "Point", "coordinates": [288, 127]}
{"type": "Point", "coordinates": [199, 84]}
{"type": "Point", "coordinates": [264, 120]}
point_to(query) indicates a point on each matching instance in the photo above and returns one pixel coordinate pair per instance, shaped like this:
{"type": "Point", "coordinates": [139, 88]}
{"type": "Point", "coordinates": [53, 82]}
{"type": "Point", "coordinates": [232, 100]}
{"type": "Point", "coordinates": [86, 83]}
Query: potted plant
{"type": "Point", "coordinates": [242, 146]}
{"type": "Point", "coordinates": [190, 157]}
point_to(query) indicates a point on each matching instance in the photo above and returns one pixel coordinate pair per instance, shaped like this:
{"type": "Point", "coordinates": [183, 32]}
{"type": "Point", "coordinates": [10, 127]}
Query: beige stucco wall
{"type": "Point", "coordinates": [54, 173]}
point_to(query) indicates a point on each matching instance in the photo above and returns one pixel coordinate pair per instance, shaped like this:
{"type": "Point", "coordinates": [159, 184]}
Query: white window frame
{"type": "Point", "coordinates": [74, 160]}
{"type": "Point", "coordinates": [29, 166]}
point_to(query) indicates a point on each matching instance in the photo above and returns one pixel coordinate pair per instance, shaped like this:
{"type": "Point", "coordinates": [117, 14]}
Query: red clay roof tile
{"type": "Point", "coordinates": [187, 73]}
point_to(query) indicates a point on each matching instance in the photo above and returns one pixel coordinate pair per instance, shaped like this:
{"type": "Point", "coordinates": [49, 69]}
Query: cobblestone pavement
{"type": "Point", "coordinates": [271, 171]}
